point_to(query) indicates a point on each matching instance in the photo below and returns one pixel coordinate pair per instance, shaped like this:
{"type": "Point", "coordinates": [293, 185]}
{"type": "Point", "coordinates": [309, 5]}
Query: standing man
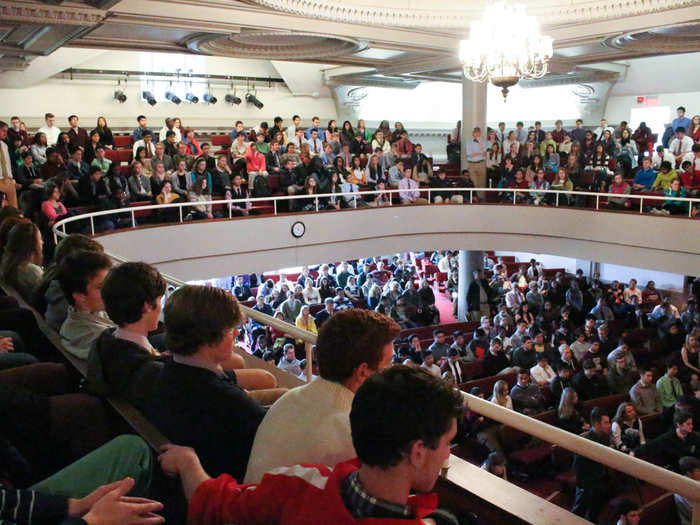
{"type": "Point", "coordinates": [52, 132]}
{"type": "Point", "coordinates": [476, 157]}
{"type": "Point", "coordinates": [592, 480]}
{"type": "Point", "coordinates": [681, 121]}
{"type": "Point", "coordinates": [478, 297]}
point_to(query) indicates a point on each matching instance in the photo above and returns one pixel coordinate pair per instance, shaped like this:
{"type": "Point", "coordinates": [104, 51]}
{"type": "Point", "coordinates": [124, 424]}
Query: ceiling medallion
{"type": "Point", "coordinates": [273, 45]}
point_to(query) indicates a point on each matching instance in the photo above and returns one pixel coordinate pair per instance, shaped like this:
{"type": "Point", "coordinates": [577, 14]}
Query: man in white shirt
{"type": "Point", "coordinates": [542, 373]}
{"type": "Point", "coordinates": [660, 156]}
{"type": "Point", "coordinates": [292, 129]}
{"type": "Point", "coordinates": [681, 145]}
{"type": "Point", "coordinates": [352, 345]}
{"type": "Point", "coordinates": [601, 129]}
{"type": "Point", "coordinates": [7, 182]}
{"type": "Point", "coordinates": [145, 142]}
{"type": "Point", "coordinates": [476, 157]}
{"type": "Point", "coordinates": [429, 364]}
{"type": "Point", "coordinates": [52, 132]}
{"type": "Point", "coordinates": [315, 143]}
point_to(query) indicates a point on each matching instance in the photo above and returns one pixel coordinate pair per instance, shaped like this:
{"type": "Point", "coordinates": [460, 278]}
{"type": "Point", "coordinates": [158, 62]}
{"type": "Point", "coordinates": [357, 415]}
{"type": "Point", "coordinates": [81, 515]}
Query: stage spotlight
{"type": "Point", "coordinates": [148, 97]}
{"type": "Point", "coordinates": [172, 97]}
{"type": "Point", "coordinates": [120, 96]}
{"type": "Point", "coordinates": [209, 98]}
{"type": "Point", "coordinates": [232, 99]}
{"type": "Point", "coordinates": [252, 99]}
{"type": "Point", "coordinates": [191, 98]}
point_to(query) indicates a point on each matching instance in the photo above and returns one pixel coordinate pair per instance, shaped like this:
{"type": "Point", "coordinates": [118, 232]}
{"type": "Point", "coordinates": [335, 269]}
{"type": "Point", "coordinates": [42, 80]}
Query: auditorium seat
{"type": "Point", "coordinates": [122, 141]}
{"type": "Point", "coordinates": [112, 155]}
{"type": "Point", "coordinates": [124, 155]}
{"type": "Point", "coordinates": [220, 140]}
{"type": "Point", "coordinates": [608, 404]}
{"type": "Point", "coordinates": [486, 383]}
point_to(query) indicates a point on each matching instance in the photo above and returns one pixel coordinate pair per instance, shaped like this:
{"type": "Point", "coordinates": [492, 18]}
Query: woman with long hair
{"type": "Point", "coordinates": [627, 429]}
{"type": "Point", "coordinates": [199, 192]}
{"type": "Point", "coordinates": [102, 129]}
{"type": "Point", "coordinates": [567, 415]}
{"type": "Point", "coordinates": [361, 128]}
{"type": "Point", "coordinates": [501, 394]}
{"type": "Point", "coordinates": [535, 165]}
{"type": "Point", "coordinates": [347, 134]}
{"type": "Point", "coordinates": [493, 163]}
{"type": "Point", "coordinates": [91, 147]}
{"type": "Point", "coordinates": [62, 147]}
{"type": "Point", "coordinates": [305, 321]}
{"type": "Point", "coordinates": [332, 128]}
{"type": "Point", "coordinates": [356, 175]}
{"type": "Point", "coordinates": [694, 130]}
{"type": "Point", "coordinates": [52, 208]}
{"type": "Point", "coordinates": [562, 182]}
{"type": "Point", "coordinates": [310, 292]}
{"type": "Point", "coordinates": [325, 290]}
{"type": "Point", "coordinates": [22, 257]}
{"type": "Point", "coordinates": [626, 152]}
{"type": "Point", "coordinates": [199, 169]}
{"type": "Point", "coordinates": [551, 159]}
{"type": "Point", "coordinates": [373, 172]}
{"type": "Point", "coordinates": [310, 189]}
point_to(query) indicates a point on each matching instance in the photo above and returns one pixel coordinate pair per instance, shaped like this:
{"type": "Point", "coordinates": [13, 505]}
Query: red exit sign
{"type": "Point", "coordinates": [648, 101]}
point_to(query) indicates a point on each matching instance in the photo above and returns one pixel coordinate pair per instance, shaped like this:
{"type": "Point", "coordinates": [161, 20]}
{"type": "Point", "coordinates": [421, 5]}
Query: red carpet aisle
{"type": "Point", "coordinates": [444, 304]}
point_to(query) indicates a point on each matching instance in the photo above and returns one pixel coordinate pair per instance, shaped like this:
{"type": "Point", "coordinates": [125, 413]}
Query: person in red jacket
{"type": "Point", "coordinates": [401, 448]}
{"type": "Point", "coordinates": [255, 165]}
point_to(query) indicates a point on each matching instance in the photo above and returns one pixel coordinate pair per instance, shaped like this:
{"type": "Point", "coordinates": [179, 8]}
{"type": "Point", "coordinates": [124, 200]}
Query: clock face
{"type": "Point", "coordinates": [298, 229]}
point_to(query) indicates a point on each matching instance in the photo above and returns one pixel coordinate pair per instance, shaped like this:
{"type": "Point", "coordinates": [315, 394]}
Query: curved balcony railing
{"type": "Point", "coordinates": [554, 198]}
{"type": "Point", "coordinates": [519, 503]}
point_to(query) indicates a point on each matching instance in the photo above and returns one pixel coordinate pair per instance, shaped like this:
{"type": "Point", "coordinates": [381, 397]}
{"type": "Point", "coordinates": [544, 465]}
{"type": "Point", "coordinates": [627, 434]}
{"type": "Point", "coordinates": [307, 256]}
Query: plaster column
{"type": "Point", "coordinates": [473, 113]}
{"type": "Point", "coordinates": [468, 261]}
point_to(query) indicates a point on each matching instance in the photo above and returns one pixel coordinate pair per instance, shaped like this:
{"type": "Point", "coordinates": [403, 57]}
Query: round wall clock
{"type": "Point", "coordinates": [298, 229]}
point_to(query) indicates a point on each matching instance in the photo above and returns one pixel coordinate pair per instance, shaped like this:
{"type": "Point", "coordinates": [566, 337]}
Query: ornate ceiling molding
{"type": "Point", "coordinates": [273, 45]}
{"type": "Point", "coordinates": [681, 38]}
{"type": "Point", "coordinates": [549, 12]}
{"type": "Point", "coordinates": [11, 10]}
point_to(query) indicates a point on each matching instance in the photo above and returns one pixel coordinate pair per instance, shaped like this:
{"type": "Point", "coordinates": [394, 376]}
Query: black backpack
{"type": "Point", "coordinates": [260, 187]}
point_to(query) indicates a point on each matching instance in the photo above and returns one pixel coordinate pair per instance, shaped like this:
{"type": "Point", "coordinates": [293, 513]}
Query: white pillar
{"type": "Point", "coordinates": [468, 262]}
{"type": "Point", "coordinates": [473, 113]}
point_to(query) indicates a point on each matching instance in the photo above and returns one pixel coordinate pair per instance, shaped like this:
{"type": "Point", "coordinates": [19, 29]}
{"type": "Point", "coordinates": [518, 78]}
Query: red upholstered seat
{"type": "Point", "coordinates": [112, 155]}
{"type": "Point", "coordinates": [220, 140]}
{"type": "Point", "coordinates": [124, 155]}
{"type": "Point", "coordinates": [121, 141]}
{"type": "Point", "coordinates": [532, 455]}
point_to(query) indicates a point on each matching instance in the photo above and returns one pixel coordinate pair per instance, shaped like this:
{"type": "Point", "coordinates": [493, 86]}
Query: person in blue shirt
{"type": "Point", "coordinates": [315, 122]}
{"type": "Point", "coordinates": [681, 121]}
{"type": "Point", "coordinates": [645, 177]}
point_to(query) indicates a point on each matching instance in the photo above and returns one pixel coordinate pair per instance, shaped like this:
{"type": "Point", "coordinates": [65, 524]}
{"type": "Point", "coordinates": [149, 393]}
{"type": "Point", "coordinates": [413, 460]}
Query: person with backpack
{"type": "Point", "coordinates": [255, 165]}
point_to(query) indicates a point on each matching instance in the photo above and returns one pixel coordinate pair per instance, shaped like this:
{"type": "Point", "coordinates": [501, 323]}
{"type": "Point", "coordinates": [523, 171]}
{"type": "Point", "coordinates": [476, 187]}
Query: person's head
{"type": "Point", "coordinates": [523, 377]}
{"type": "Point", "coordinates": [680, 111]}
{"type": "Point", "coordinates": [675, 185]}
{"type": "Point", "coordinates": [564, 371]}
{"type": "Point", "coordinates": [132, 293]}
{"type": "Point", "coordinates": [527, 343]}
{"type": "Point", "coordinates": [646, 376]}
{"type": "Point", "coordinates": [81, 276]}
{"type": "Point", "coordinates": [600, 421]}
{"type": "Point", "coordinates": [439, 336]}
{"type": "Point", "coordinates": [683, 421]}
{"type": "Point", "coordinates": [353, 344]}
{"type": "Point", "coordinates": [211, 336]}
{"type": "Point", "coordinates": [73, 121]}
{"type": "Point", "coordinates": [628, 512]}
{"type": "Point", "coordinates": [690, 466]}
{"type": "Point", "coordinates": [589, 368]}
{"type": "Point", "coordinates": [665, 166]}
{"type": "Point", "coordinates": [24, 245]}
{"type": "Point", "coordinates": [411, 438]}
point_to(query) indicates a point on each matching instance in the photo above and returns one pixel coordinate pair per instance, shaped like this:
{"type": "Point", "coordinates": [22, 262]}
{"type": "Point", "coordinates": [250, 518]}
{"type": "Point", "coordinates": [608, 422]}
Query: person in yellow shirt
{"type": "Point", "coordinates": [306, 322]}
{"type": "Point", "coordinates": [356, 174]}
{"type": "Point", "coordinates": [665, 177]}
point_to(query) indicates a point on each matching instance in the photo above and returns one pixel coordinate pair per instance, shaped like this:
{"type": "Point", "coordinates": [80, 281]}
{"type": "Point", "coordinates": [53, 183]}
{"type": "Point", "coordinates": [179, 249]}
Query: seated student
{"type": "Point", "coordinates": [123, 362]}
{"type": "Point", "coordinates": [527, 397]}
{"type": "Point", "coordinates": [91, 490]}
{"type": "Point", "coordinates": [627, 428]}
{"type": "Point", "coordinates": [93, 189]}
{"type": "Point", "coordinates": [52, 207]}
{"type": "Point", "coordinates": [620, 376]}
{"type": "Point", "coordinates": [561, 381]}
{"type": "Point", "coordinates": [194, 401]}
{"type": "Point", "coordinates": [568, 417]}
{"type": "Point", "coordinates": [81, 276]}
{"type": "Point", "coordinates": [139, 183]}
{"type": "Point", "coordinates": [644, 394]}
{"type": "Point", "coordinates": [588, 383]}
{"type": "Point", "coordinates": [669, 388]}
{"type": "Point", "coordinates": [22, 257]}
{"type": "Point", "coordinates": [352, 345]}
{"type": "Point", "coordinates": [619, 187]}
{"type": "Point", "coordinates": [645, 176]}
{"type": "Point", "coordinates": [672, 206]}
{"type": "Point", "coordinates": [664, 178]}
{"type": "Point", "coordinates": [410, 195]}
{"type": "Point", "coordinates": [688, 466]}
{"type": "Point", "coordinates": [674, 444]}
{"type": "Point", "coordinates": [288, 362]}
{"type": "Point", "coordinates": [542, 373]}
{"type": "Point", "coordinates": [628, 512]}
{"type": "Point", "coordinates": [407, 459]}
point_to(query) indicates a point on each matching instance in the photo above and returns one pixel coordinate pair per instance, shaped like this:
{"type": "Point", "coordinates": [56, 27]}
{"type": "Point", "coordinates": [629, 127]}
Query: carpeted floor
{"type": "Point", "coordinates": [444, 304]}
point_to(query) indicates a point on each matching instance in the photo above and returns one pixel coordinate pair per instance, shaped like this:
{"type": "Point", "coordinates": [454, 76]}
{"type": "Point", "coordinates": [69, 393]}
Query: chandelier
{"type": "Point", "coordinates": [505, 46]}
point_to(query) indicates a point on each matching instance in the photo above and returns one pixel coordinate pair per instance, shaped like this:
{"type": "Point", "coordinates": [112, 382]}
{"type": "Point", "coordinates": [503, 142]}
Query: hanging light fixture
{"type": "Point", "coordinates": [505, 46]}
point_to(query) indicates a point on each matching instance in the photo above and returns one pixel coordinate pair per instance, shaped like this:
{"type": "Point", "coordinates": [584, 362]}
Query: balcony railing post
{"type": "Point", "coordinates": [641, 205]}
{"type": "Point", "coordinates": [316, 203]}
{"type": "Point", "coordinates": [309, 362]}
{"type": "Point", "coordinates": [557, 200]}
{"type": "Point", "coordinates": [597, 202]}
{"type": "Point", "coordinates": [471, 197]}
{"type": "Point", "coordinates": [514, 194]}
{"type": "Point", "coordinates": [133, 219]}
{"type": "Point", "coordinates": [92, 225]}
{"type": "Point", "coordinates": [180, 208]}
{"type": "Point", "coordinates": [274, 207]}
